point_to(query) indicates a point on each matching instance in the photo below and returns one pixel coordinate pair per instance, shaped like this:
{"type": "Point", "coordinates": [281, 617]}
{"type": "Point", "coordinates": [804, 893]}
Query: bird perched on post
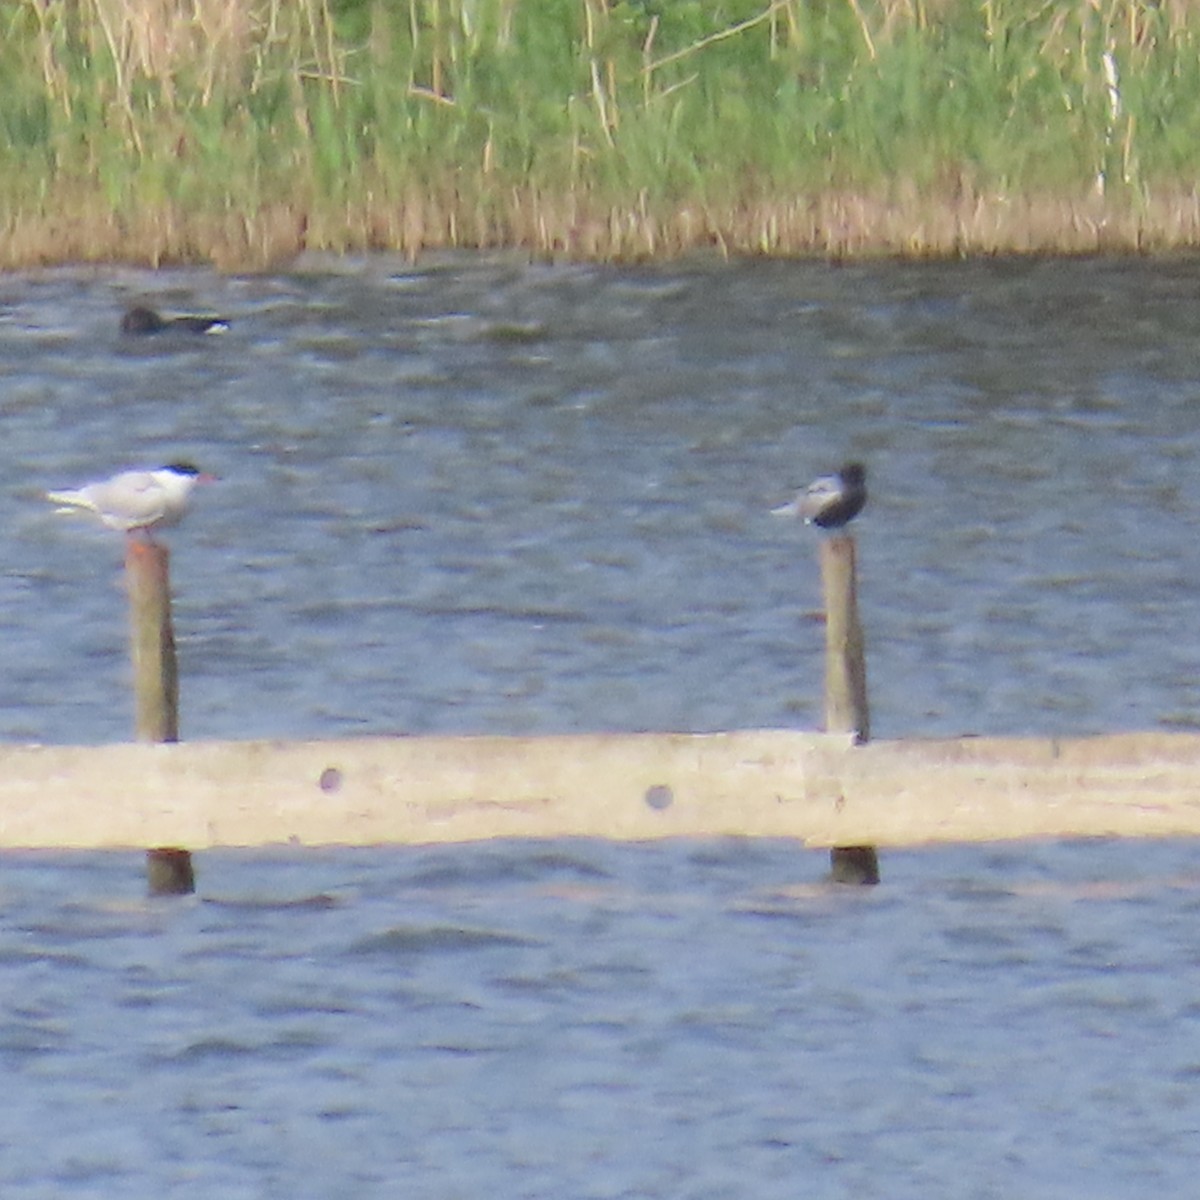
{"type": "Point", "coordinates": [136, 501]}
{"type": "Point", "coordinates": [832, 500]}
{"type": "Point", "coordinates": [142, 320]}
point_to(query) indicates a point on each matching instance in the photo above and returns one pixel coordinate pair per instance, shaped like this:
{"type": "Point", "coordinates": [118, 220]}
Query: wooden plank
{"type": "Point", "coordinates": [408, 790]}
{"type": "Point", "coordinates": [817, 788]}
{"type": "Point", "coordinates": [993, 789]}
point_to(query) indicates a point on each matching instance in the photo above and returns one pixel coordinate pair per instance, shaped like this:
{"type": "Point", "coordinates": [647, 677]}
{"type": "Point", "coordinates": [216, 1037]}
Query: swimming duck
{"type": "Point", "coordinates": [141, 320]}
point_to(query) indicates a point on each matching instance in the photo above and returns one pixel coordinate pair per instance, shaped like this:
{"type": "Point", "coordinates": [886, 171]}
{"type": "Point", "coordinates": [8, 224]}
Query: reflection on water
{"type": "Point", "coordinates": [488, 497]}
{"type": "Point", "coordinates": [479, 496]}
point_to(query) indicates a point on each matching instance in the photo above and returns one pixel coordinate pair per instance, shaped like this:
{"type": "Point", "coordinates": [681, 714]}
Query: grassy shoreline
{"type": "Point", "coordinates": [191, 131]}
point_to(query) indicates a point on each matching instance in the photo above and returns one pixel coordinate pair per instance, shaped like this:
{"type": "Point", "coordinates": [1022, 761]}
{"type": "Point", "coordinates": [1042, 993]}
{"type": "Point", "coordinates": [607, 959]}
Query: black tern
{"type": "Point", "coordinates": [831, 501]}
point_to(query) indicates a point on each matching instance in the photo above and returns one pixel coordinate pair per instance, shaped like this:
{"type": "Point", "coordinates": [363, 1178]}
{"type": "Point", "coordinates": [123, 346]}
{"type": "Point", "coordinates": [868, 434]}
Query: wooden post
{"type": "Point", "coordinates": [156, 687]}
{"type": "Point", "coordinates": [846, 708]}
{"type": "Point", "coordinates": [169, 872]}
{"type": "Point", "coordinates": [155, 675]}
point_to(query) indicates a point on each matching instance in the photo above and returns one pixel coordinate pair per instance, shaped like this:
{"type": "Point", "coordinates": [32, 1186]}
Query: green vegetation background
{"type": "Point", "coordinates": [239, 132]}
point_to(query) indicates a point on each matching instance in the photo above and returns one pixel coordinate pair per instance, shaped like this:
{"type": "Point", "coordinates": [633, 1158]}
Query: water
{"type": "Point", "coordinates": [595, 1021]}
{"type": "Point", "coordinates": [480, 496]}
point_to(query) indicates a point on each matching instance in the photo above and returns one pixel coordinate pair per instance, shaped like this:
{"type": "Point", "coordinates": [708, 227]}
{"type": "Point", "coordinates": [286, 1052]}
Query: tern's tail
{"type": "Point", "coordinates": [67, 500]}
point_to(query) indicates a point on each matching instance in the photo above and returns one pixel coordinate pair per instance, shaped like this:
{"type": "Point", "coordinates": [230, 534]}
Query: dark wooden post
{"type": "Point", "coordinates": [846, 708]}
{"type": "Point", "coordinates": [155, 686]}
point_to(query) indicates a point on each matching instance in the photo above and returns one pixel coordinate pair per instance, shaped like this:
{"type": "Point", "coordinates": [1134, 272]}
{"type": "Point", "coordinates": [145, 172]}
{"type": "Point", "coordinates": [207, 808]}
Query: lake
{"type": "Point", "coordinates": [481, 496]}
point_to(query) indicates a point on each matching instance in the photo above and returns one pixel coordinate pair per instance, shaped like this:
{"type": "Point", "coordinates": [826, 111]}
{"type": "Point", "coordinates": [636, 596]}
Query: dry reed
{"type": "Point", "coordinates": [181, 130]}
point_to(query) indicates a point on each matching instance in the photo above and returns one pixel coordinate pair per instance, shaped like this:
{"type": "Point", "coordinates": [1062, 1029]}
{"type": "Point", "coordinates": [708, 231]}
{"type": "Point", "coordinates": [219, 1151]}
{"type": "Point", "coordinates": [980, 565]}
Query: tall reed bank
{"type": "Point", "coordinates": [240, 131]}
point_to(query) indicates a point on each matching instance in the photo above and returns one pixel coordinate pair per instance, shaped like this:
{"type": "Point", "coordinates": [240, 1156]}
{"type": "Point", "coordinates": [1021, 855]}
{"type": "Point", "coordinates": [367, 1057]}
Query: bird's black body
{"type": "Point", "coordinates": [835, 500]}
{"type": "Point", "coordinates": [142, 321]}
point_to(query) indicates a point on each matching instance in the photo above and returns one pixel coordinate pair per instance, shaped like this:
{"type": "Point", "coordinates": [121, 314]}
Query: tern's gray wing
{"type": "Point", "coordinates": [809, 500]}
{"type": "Point", "coordinates": [130, 499]}
{"type": "Point", "coordinates": [818, 494]}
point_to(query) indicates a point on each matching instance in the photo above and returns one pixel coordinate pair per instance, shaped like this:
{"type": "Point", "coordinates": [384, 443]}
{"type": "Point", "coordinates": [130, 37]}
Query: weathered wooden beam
{"type": "Point", "coordinates": [917, 792]}
{"type": "Point", "coordinates": [816, 788]}
{"type": "Point", "coordinates": [379, 790]}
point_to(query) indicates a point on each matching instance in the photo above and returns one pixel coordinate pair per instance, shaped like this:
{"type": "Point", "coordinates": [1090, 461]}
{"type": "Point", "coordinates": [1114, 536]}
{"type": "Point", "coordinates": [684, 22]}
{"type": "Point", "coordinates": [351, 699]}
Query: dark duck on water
{"type": "Point", "coordinates": [142, 321]}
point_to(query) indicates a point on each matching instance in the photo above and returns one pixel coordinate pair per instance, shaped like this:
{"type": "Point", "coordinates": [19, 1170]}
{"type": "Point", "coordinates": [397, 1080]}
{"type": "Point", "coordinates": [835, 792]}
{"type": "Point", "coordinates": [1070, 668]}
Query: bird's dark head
{"type": "Point", "coordinates": [853, 474]}
{"type": "Point", "coordinates": [141, 319]}
{"type": "Point", "coordinates": [187, 470]}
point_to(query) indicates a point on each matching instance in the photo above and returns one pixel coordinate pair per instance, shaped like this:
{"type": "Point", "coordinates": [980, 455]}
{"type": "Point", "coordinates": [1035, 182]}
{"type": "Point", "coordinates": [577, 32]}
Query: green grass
{"type": "Point", "coordinates": [160, 129]}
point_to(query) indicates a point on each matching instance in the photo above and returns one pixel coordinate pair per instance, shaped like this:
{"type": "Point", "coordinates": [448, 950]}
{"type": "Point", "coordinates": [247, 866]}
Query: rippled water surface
{"type": "Point", "coordinates": [479, 496]}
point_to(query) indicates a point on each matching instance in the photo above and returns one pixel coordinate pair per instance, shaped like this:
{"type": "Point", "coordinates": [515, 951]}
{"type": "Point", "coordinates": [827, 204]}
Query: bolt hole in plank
{"type": "Point", "coordinates": [659, 796]}
{"type": "Point", "coordinates": [331, 780]}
